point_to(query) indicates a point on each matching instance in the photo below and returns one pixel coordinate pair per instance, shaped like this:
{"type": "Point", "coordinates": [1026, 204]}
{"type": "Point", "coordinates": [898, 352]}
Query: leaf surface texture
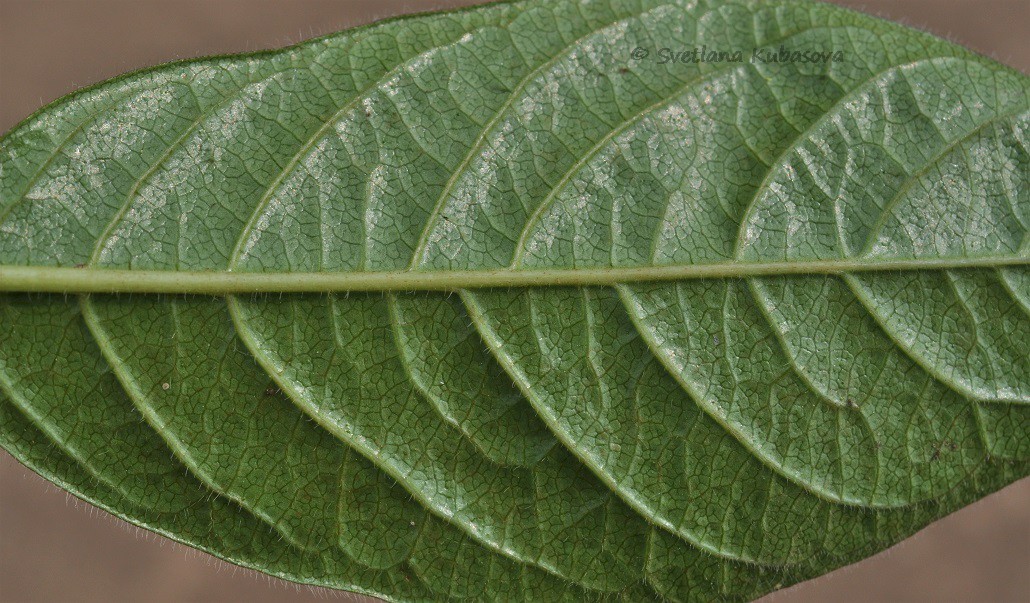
{"type": "Point", "coordinates": [852, 365]}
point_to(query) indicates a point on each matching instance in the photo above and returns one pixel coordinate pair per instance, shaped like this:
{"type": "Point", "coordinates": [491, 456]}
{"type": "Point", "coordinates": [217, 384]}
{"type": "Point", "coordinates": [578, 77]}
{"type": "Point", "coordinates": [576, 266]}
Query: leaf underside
{"type": "Point", "coordinates": [677, 438]}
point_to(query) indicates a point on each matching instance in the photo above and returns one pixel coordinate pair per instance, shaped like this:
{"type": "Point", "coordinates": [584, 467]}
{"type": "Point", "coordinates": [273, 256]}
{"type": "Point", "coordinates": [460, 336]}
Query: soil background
{"type": "Point", "coordinates": [54, 548]}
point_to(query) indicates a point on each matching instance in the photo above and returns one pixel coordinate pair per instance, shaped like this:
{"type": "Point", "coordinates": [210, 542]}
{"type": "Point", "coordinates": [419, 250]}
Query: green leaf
{"type": "Point", "coordinates": [481, 304]}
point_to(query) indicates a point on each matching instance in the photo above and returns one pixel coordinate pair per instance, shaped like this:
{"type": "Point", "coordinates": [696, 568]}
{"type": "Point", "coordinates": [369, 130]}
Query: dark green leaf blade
{"type": "Point", "coordinates": [751, 319]}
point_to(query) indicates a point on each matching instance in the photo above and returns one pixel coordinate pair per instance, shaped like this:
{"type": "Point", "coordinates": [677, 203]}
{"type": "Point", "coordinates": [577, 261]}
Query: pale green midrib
{"type": "Point", "coordinates": [53, 279]}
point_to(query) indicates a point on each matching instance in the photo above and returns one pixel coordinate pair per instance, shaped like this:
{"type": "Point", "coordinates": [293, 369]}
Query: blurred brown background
{"type": "Point", "coordinates": [55, 548]}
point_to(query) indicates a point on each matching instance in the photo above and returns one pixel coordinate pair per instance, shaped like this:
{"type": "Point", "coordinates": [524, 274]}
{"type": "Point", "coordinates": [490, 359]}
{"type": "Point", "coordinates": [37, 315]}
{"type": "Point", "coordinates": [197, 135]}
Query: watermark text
{"type": "Point", "coordinates": [757, 55]}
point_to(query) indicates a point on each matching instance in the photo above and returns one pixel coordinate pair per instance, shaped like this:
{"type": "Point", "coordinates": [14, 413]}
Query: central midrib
{"type": "Point", "coordinates": [50, 279]}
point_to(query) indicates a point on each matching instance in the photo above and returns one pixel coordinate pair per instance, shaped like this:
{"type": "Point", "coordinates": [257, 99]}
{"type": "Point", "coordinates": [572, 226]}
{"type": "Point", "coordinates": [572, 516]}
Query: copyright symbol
{"type": "Point", "coordinates": [639, 53]}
